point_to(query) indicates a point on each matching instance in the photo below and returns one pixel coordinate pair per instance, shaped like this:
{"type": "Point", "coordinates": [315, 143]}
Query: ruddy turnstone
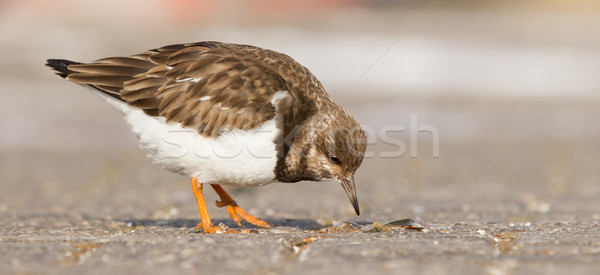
{"type": "Point", "coordinates": [228, 114]}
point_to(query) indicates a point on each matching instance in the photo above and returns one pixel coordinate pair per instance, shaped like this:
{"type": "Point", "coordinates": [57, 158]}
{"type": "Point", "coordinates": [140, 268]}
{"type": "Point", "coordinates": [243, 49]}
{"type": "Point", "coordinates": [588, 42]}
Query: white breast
{"type": "Point", "coordinates": [236, 157]}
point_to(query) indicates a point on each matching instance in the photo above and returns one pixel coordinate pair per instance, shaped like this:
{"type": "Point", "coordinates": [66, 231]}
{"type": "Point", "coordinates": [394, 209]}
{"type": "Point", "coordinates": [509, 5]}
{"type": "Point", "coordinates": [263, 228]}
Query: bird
{"type": "Point", "coordinates": [228, 114]}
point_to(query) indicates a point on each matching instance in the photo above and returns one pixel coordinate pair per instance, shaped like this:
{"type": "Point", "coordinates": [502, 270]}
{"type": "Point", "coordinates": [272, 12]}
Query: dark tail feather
{"type": "Point", "coordinates": [61, 66]}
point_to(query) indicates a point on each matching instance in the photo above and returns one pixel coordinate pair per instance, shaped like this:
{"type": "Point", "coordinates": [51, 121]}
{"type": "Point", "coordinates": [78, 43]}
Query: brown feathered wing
{"type": "Point", "coordinates": [207, 86]}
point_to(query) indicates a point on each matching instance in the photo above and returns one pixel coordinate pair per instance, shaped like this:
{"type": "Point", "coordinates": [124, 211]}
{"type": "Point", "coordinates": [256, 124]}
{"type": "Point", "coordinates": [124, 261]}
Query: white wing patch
{"type": "Point", "coordinates": [194, 80]}
{"type": "Point", "coordinates": [278, 96]}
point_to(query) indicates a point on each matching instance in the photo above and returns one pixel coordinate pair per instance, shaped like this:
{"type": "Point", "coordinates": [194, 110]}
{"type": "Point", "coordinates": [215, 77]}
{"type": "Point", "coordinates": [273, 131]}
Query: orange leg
{"type": "Point", "coordinates": [236, 212]}
{"type": "Point", "coordinates": [206, 223]}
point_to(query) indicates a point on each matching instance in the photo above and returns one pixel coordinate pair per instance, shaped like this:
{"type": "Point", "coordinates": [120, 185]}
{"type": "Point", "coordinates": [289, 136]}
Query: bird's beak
{"type": "Point", "coordinates": [350, 188]}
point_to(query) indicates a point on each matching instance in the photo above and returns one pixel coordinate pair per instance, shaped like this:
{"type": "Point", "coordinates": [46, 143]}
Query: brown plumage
{"type": "Point", "coordinates": [172, 81]}
{"type": "Point", "coordinates": [216, 88]}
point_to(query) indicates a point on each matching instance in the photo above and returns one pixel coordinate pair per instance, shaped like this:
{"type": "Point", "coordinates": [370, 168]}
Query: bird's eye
{"type": "Point", "coordinates": [334, 160]}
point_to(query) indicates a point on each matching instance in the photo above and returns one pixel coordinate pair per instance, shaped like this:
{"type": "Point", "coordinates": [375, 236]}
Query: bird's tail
{"type": "Point", "coordinates": [61, 66]}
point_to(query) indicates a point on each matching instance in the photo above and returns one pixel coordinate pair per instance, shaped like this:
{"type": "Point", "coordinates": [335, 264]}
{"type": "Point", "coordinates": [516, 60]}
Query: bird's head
{"type": "Point", "coordinates": [342, 151]}
{"type": "Point", "coordinates": [336, 150]}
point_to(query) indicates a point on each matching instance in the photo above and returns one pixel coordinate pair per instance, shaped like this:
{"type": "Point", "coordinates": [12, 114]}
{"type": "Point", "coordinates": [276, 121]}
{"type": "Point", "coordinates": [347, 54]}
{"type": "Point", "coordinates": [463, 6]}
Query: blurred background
{"type": "Point", "coordinates": [512, 88]}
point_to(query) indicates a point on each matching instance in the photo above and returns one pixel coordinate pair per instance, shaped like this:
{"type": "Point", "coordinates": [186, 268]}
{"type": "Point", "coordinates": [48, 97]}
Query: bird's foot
{"type": "Point", "coordinates": [206, 224]}
{"type": "Point", "coordinates": [238, 214]}
{"type": "Point", "coordinates": [235, 211]}
{"type": "Point", "coordinates": [214, 229]}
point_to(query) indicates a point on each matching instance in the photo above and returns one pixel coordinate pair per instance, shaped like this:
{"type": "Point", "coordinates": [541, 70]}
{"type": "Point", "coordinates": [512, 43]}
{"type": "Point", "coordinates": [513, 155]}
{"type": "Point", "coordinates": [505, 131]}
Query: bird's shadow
{"type": "Point", "coordinates": [302, 224]}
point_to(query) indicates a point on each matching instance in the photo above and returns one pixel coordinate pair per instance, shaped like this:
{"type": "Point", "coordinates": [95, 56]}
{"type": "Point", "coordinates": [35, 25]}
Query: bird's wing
{"type": "Point", "coordinates": [207, 86]}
